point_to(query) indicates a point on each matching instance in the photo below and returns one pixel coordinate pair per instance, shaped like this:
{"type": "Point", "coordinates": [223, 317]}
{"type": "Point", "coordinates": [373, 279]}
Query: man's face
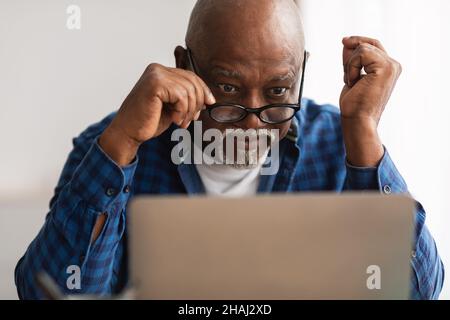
{"type": "Point", "coordinates": [249, 53]}
{"type": "Point", "coordinates": [254, 81]}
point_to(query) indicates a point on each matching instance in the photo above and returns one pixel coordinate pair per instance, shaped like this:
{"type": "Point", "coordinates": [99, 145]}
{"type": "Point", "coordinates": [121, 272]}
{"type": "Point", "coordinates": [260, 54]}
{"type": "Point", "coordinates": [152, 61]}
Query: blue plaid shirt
{"type": "Point", "coordinates": [92, 184]}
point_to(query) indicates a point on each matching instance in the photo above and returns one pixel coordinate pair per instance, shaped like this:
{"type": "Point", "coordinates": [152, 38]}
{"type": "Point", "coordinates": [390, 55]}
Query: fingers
{"type": "Point", "coordinates": [189, 94]}
{"type": "Point", "coordinates": [208, 96]}
{"type": "Point", "coordinates": [195, 91]}
{"type": "Point", "coordinates": [201, 87]}
{"type": "Point", "coordinates": [364, 57]}
{"type": "Point", "coordinates": [355, 41]}
{"type": "Point", "coordinates": [192, 81]}
{"type": "Point", "coordinates": [177, 102]}
{"type": "Point", "coordinates": [361, 54]}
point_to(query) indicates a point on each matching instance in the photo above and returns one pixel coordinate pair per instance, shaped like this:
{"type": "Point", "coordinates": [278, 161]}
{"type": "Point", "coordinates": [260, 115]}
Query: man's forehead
{"type": "Point", "coordinates": [272, 65]}
{"type": "Point", "coordinates": [271, 74]}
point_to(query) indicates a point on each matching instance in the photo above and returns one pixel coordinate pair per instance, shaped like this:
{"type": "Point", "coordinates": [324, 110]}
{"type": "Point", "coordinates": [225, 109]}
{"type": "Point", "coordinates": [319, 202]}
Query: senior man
{"type": "Point", "coordinates": [242, 68]}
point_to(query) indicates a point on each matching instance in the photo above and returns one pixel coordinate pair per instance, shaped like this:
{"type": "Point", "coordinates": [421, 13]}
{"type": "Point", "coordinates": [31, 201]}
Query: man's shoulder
{"type": "Point", "coordinates": [314, 116]}
{"type": "Point", "coordinates": [319, 123]}
{"type": "Point", "coordinates": [311, 110]}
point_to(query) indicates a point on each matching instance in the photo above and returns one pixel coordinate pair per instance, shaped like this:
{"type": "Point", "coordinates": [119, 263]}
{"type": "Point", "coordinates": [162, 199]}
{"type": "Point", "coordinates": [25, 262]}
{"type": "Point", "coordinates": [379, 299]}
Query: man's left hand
{"type": "Point", "coordinates": [364, 97]}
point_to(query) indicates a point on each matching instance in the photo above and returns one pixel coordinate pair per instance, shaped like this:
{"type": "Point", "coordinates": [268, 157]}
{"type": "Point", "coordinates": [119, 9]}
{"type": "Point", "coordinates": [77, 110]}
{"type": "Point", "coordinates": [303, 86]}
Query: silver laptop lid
{"type": "Point", "coordinates": [311, 246]}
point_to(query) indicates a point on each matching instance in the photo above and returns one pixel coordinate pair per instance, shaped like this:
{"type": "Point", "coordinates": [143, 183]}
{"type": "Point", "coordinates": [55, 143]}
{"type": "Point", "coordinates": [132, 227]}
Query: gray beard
{"type": "Point", "coordinates": [251, 157]}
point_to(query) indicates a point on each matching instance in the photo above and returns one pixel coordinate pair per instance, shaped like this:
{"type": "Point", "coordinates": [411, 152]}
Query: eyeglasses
{"type": "Point", "coordinates": [277, 113]}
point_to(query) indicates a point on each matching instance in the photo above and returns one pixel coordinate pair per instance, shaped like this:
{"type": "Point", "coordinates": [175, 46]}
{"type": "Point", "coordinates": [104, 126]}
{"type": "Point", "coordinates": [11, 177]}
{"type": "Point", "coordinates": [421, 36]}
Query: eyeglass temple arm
{"type": "Point", "coordinates": [191, 61]}
{"type": "Point", "coordinates": [300, 96]}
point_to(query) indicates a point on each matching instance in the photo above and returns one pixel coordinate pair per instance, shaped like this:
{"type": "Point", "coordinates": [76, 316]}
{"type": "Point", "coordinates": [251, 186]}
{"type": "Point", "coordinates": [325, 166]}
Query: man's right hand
{"type": "Point", "coordinates": [162, 96]}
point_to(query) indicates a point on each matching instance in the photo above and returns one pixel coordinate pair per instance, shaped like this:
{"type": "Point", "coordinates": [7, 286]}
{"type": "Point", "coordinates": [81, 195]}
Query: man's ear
{"type": "Point", "coordinates": [181, 58]}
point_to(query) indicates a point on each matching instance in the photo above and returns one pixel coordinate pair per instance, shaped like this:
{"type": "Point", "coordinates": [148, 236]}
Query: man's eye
{"type": "Point", "coordinates": [278, 92]}
{"type": "Point", "coordinates": [227, 88]}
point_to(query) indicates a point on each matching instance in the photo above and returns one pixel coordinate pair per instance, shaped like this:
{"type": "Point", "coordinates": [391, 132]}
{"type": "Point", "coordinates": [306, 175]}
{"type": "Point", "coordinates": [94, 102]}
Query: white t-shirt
{"type": "Point", "coordinates": [223, 180]}
{"type": "Point", "coordinates": [228, 181]}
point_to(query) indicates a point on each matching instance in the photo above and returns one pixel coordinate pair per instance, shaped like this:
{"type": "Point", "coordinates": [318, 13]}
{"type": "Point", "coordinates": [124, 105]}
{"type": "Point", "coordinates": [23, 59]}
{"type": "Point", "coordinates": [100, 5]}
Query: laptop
{"type": "Point", "coordinates": [271, 247]}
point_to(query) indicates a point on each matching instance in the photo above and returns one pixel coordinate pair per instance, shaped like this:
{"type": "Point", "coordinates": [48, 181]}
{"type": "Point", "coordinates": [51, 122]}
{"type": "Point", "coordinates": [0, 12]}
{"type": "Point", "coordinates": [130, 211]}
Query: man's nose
{"type": "Point", "coordinates": [253, 100]}
{"type": "Point", "coordinates": [251, 122]}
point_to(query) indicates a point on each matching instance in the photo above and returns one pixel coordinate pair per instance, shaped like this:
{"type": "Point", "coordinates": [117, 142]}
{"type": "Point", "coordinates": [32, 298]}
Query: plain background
{"type": "Point", "coordinates": [55, 82]}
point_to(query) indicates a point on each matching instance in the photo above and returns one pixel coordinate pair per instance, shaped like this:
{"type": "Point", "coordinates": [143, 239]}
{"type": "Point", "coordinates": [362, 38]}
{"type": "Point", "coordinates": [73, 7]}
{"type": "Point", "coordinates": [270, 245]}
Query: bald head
{"type": "Point", "coordinates": [254, 24]}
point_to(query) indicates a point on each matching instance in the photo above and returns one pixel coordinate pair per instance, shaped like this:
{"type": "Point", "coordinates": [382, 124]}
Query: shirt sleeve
{"type": "Point", "coordinates": [427, 269]}
{"type": "Point", "coordinates": [90, 184]}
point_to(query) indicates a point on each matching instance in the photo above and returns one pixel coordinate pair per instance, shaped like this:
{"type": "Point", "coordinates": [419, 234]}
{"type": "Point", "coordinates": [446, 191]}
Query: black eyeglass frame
{"type": "Point", "coordinates": [256, 111]}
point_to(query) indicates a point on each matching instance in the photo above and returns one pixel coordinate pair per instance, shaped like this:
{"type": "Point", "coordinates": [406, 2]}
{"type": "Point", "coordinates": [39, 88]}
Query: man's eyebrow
{"type": "Point", "coordinates": [283, 77]}
{"type": "Point", "coordinates": [226, 73]}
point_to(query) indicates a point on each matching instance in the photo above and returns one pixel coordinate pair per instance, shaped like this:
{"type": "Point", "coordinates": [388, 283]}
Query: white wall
{"type": "Point", "coordinates": [54, 82]}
